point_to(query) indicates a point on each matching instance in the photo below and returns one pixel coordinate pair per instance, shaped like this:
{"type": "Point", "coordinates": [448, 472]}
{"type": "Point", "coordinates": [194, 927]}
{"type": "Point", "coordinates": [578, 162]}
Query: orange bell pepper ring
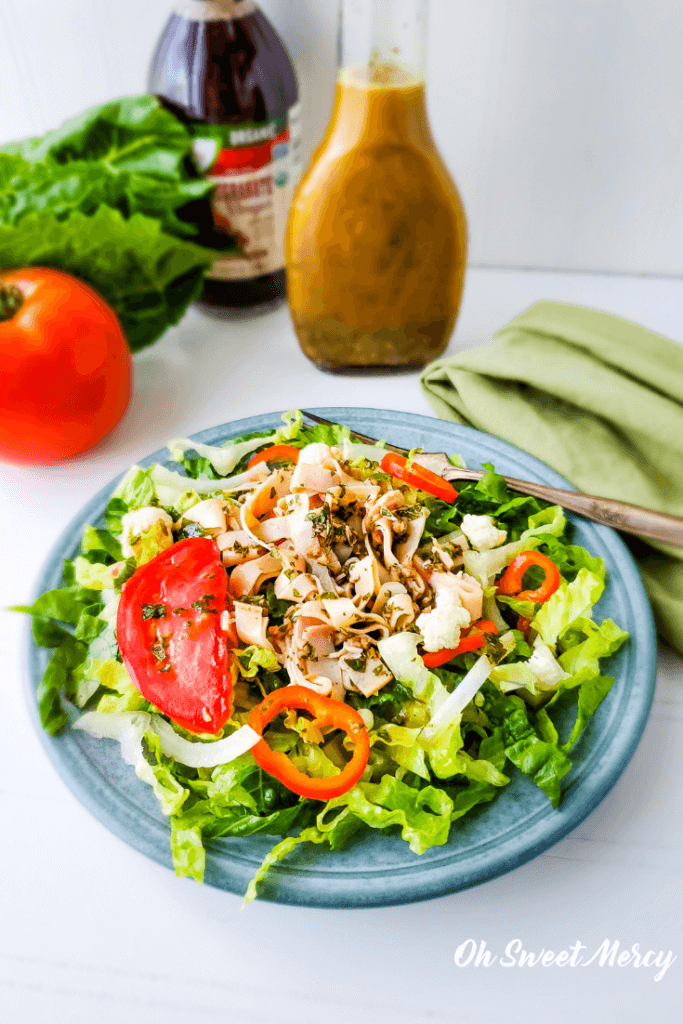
{"type": "Point", "coordinates": [276, 453]}
{"type": "Point", "coordinates": [523, 624]}
{"type": "Point", "coordinates": [511, 581]}
{"type": "Point", "coordinates": [326, 712]}
{"type": "Point", "coordinates": [472, 642]}
{"type": "Point", "coordinates": [418, 476]}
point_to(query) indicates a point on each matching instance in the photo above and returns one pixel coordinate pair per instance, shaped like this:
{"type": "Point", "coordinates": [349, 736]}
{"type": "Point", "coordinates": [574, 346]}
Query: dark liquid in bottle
{"type": "Point", "coordinates": [226, 72]}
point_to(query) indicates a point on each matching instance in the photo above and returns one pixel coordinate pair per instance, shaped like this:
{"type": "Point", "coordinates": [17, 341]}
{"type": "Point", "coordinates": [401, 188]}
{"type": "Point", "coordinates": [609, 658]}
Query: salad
{"type": "Point", "coordinates": [307, 637]}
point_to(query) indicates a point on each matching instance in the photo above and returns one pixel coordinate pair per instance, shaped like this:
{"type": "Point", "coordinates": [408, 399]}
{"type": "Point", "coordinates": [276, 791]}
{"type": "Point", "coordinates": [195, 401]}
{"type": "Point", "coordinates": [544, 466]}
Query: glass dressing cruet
{"type": "Point", "coordinates": [377, 236]}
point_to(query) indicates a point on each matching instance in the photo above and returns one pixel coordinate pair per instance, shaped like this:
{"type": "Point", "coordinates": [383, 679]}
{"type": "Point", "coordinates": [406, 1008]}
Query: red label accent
{"type": "Point", "coordinates": [240, 161]}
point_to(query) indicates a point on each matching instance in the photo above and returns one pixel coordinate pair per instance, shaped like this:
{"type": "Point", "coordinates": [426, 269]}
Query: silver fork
{"type": "Point", "coordinates": [620, 515]}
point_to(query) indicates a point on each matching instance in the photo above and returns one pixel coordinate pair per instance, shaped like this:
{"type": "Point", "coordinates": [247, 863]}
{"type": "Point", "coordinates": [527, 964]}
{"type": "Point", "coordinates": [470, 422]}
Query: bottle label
{"type": "Point", "coordinates": [255, 167]}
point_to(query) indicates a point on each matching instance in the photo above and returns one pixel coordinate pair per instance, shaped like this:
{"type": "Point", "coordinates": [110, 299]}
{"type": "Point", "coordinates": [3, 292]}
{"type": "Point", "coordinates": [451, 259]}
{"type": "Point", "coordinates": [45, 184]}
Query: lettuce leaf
{"type": "Point", "coordinates": [549, 521]}
{"type": "Point", "coordinates": [97, 576]}
{"type": "Point", "coordinates": [115, 198]}
{"type": "Point", "coordinates": [47, 633]}
{"type": "Point", "coordinates": [513, 676]}
{"type": "Point", "coordinates": [543, 761]}
{"type": "Point", "coordinates": [571, 601]}
{"type": "Point", "coordinates": [111, 674]}
{"type": "Point", "coordinates": [151, 542]}
{"type": "Point", "coordinates": [310, 759]}
{"type": "Point", "coordinates": [254, 658]}
{"type": "Point", "coordinates": [422, 814]}
{"type": "Point", "coordinates": [326, 433]}
{"type": "Point", "coordinates": [399, 653]}
{"type": "Point", "coordinates": [187, 848]}
{"type": "Point", "coordinates": [403, 748]}
{"type": "Point", "coordinates": [280, 850]}
{"type": "Point", "coordinates": [62, 189]}
{"type": "Point", "coordinates": [95, 672]}
{"type": "Point", "coordinates": [61, 605]}
{"type": "Point", "coordinates": [601, 641]}
{"type": "Point", "coordinates": [227, 786]}
{"type": "Point", "coordinates": [277, 823]}
{"type": "Point", "coordinates": [589, 689]}
{"type": "Point", "coordinates": [131, 154]}
{"type": "Point", "coordinates": [569, 558]}
{"type": "Point", "coordinates": [465, 799]}
{"type": "Point", "coordinates": [72, 605]}
{"type": "Point", "coordinates": [156, 770]}
{"type": "Point", "coordinates": [103, 541]}
{"type": "Point", "coordinates": [492, 485]}
{"type": "Point", "coordinates": [66, 658]}
{"type": "Point", "coordinates": [147, 277]}
{"type": "Point", "coordinates": [134, 490]}
{"type": "Point", "coordinates": [480, 770]}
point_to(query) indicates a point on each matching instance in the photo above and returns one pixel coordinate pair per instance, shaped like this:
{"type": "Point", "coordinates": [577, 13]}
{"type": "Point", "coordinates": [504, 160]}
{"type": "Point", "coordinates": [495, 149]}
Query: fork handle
{"type": "Point", "coordinates": [620, 515]}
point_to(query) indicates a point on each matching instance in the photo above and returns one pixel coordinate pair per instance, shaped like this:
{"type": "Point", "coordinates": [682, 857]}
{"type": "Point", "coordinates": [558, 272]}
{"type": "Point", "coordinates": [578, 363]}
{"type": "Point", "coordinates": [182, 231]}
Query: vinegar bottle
{"type": "Point", "coordinates": [221, 67]}
{"type": "Point", "coordinates": [377, 237]}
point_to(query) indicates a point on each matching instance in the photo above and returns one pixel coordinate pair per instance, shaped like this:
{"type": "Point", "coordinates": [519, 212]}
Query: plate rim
{"type": "Point", "coordinates": [427, 879]}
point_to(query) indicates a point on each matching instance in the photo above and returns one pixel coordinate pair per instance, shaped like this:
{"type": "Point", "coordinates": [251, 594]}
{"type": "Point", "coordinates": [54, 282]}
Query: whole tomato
{"type": "Point", "coordinates": [65, 367]}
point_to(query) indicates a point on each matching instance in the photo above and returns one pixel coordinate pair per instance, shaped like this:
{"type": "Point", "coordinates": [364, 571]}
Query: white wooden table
{"type": "Point", "coordinates": [91, 930]}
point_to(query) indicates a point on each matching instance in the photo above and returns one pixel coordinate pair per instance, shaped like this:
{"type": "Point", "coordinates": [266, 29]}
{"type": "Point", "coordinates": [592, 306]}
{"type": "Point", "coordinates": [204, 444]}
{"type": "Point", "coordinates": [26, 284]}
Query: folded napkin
{"type": "Point", "coordinates": [597, 398]}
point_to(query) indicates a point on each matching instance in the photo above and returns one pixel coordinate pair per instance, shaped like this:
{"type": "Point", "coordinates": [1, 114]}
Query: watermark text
{"type": "Point", "coordinates": [473, 953]}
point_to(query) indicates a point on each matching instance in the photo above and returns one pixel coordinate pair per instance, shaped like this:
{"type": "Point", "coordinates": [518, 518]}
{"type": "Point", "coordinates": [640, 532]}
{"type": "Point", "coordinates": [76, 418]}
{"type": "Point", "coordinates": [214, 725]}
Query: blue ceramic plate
{"type": "Point", "coordinates": [380, 870]}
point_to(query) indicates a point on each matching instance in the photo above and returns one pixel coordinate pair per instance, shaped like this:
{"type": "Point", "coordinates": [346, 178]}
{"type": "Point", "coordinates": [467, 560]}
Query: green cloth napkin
{"type": "Point", "coordinates": [597, 398]}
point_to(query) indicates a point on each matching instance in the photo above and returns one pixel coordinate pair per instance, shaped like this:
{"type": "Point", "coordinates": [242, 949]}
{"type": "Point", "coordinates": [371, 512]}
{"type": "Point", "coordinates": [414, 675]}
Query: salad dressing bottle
{"type": "Point", "coordinates": [223, 70]}
{"type": "Point", "coordinates": [377, 237]}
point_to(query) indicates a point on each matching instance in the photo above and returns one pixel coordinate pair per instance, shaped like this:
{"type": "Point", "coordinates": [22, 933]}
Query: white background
{"type": "Point", "coordinates": [562, 123]}
{"type": "Point", "coordinates": [561, 120]}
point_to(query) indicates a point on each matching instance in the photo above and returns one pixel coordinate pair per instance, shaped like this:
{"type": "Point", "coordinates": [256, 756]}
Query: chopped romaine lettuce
{"type": "Point", "coordinates": [253, 658]}
{"type": "Point", "coordinates": [570, 602]}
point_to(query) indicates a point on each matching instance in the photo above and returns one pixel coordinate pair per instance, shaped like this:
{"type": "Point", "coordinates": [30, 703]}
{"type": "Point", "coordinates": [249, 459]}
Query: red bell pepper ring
{"type": "Point", "coordinates": [418, 476]}
{"type": "Point", "coordinates": [325, 712]}
{"type": "Point", "coordinates": [276, 453]}
{"type": "Point", "coordinates": [473, 641]}
{"type": "Point", "coordinates": [169, 632]}
{"type": "Point", "coordinates": [512, 580]}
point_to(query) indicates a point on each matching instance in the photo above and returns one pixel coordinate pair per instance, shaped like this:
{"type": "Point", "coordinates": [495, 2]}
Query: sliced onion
{"type": "Point", "coordinates": [129, 727]}
{"type": "Point", "coordinates": [225, 458]}
{"type": "Point", "coordinates": [204, 755]}
{"type": "Point", "coordinates": [457, 701]}
{"type": "Point", "coordinates": [172, 481]}
{"type": "Point", "coordinates": [353, 450]}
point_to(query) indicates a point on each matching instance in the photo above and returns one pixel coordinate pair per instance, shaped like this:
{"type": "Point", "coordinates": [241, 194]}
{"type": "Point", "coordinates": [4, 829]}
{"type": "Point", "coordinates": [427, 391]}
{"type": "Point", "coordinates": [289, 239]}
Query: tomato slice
{"type": "Point", "coordinates": [169, 632]}
{"type": "Point", "coordinates": [418, 476]}
{"type": "Point", "coordinates": [274, 453]}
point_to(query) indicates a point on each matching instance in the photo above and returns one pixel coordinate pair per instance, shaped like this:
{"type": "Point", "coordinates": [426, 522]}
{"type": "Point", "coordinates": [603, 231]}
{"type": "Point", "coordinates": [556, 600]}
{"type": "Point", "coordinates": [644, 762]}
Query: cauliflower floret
{"type": "Point", "coordinates": [140, 519]}
{"type": "Point", "coordinates": [441, 627]}
{"type": "Point", "coordinates": [545, 666]}
{"type": "Point", "coordinates": [468, 590]}
{"type": "Point", "coordinates": [482, 533]}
